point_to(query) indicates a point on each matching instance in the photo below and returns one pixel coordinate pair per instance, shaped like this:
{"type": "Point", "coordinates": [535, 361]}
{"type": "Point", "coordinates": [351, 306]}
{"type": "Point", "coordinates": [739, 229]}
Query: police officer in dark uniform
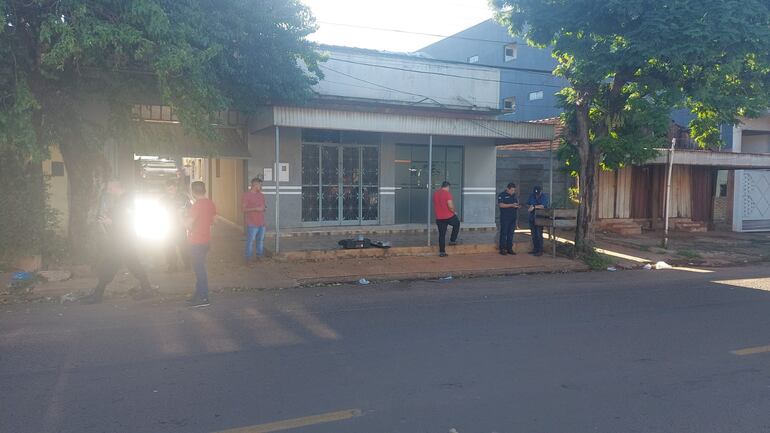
{"type": "Point", "coordinates": [508, 203]}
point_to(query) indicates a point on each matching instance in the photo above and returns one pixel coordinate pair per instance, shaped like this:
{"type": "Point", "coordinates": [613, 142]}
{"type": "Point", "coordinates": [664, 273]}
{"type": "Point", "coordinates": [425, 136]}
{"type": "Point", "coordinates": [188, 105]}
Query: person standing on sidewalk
{"type": "Point", "coordinates": [253, 203]}
{"type": "Point", "coordinates": [508, 203]}
{"type": "Point", "coordinates": [117, 242]}
{"type": "Point", "coordinates": [537, 200]}
{"type": "Point", "coordinates": [445, 216]}
{"type": "Point", "coordinates": [199, 220]}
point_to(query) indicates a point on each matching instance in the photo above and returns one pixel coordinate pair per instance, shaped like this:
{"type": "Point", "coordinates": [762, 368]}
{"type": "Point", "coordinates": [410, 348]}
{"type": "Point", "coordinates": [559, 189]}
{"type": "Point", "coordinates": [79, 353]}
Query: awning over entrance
{"type": "Point", "coordinates": [723, 160]}
{"type": "Point", "coordinates": [323, 118]}
{"type": "Point", "coordinates": [171, 140]}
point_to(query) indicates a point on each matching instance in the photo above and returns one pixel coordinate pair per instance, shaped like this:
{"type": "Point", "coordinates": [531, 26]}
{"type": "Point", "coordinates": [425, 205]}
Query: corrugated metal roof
{"type": "Point", "coordinates": [170, 139]}
{"type": "Point", "coordinates": [723, 160]}
{"type": "Point", "coordinates": [313, 117]}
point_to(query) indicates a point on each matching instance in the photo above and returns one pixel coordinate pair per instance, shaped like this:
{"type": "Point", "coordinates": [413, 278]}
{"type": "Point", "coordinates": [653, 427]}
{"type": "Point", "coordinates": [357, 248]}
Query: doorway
{"type": "Point", "coordinates": [412, 179]}
{"type": "Point", "coordinates": [340, 184]}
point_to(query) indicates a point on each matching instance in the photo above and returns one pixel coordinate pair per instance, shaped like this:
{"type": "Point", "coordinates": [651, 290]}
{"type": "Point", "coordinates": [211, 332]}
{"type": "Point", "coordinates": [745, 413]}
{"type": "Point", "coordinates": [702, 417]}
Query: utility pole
{"type": "Point", "coordinates": [668, 192]}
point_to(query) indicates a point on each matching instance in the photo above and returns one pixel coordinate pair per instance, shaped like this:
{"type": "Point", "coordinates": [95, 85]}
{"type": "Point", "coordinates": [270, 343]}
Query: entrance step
{"type": "Point", "coordinates": [690, 226]}
{"type": "Point", "coordinates": [621, 227]}
{"type": "Point", "coordinates": [319, 255]}
{"type": "Point", "coordinates": [374, 230]}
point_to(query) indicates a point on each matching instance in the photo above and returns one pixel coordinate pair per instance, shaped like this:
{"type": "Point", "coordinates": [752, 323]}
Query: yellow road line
{"type": "Point", "coordinates": [751, 350]}
{"type": "Point", "coordinates": [297, 422]}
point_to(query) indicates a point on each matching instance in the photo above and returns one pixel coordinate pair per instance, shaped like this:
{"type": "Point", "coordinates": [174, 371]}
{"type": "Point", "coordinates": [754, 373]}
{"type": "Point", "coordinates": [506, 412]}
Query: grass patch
{"type": "Point", "coordinates": [596, 261]}
{"type": "Point", "coordinates": [688, 254]}
{"type": "Point", "coordinates": [645, 248]}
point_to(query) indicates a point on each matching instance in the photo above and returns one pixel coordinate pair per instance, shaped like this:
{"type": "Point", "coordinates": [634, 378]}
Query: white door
{"type": "Point", "coordinates": [756, 200]}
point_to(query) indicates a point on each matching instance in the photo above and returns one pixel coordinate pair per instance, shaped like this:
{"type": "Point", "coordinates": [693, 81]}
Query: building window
{"type": "Point", "coordinates": [536, 96]}
{"type": "Point", "coordinates": [57, 169]}
{"type": "Point", "coordinates": [511, 52]}
{"type": "Point", "coordinates": [217, 167]}
{"type": "Point", "coordinates": [509, 104]}
{"type": "Point", "coordinates": [473, 59]}
{"type": "Point", "coordinates": [166, 114]}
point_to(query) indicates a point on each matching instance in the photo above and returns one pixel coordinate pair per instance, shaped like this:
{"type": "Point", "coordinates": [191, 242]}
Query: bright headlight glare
{"type": "Point", "coordinates": [150, 219]}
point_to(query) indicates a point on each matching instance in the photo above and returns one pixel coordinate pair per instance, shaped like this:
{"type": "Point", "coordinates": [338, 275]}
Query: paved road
{"type": "Point", "coordinates": [641, 351]}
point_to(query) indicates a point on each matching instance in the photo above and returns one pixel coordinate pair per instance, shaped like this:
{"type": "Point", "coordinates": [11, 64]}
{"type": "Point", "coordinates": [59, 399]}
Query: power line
{"type": "Point", "coordinates": [488, 128]}
{"type": "Point", "coordinates": [463, 65]}
{"type": "Point", "coordinates": [340, 83]}
{"type": "Point", "coordinates": [383, 29]}
{"type": "Point", "coordinates": [524, 104]}
{"type": "Point", "coordinates": [444, 74]}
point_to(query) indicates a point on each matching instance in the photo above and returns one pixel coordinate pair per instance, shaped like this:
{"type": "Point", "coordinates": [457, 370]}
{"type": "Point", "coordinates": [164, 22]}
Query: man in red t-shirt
{"type": "Point", "coordinates": [253, 203]}
{"type": "Point", "coordinates": [445, 216]}
{"type": "Point", "coordinates": [199, 220]}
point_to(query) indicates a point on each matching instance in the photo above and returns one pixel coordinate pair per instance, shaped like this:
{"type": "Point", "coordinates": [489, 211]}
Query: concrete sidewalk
{"type": "Point", "coordinates": [316, 259]}
{"type": "Point", "coordinates": [271, 274]}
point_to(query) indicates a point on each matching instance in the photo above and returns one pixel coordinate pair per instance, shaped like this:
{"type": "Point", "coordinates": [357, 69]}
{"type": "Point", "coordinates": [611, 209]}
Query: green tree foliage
{"type": "Point", "coordinates": [28, 223]}
{"type": "Point", "coordinates": [58, 59]}
{"type": "Point", "coordinates": [629, 62]}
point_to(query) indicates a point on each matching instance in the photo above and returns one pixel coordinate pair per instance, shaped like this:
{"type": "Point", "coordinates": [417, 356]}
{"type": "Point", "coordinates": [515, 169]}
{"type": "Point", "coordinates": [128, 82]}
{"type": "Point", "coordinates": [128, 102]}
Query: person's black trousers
{"type": "Point", "coordinates": [115, 256]}
{"type": "Point", "coordinates": [442, 226]}
{"type": "Point", "coordinates": [507, 229]}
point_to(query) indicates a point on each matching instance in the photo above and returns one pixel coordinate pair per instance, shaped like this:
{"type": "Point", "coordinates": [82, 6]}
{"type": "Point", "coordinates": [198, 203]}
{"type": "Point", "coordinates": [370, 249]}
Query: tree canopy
{"type": "Point", "coordinates": [198, 56]}
{"type": "Point", "coordinates": [629, 62]}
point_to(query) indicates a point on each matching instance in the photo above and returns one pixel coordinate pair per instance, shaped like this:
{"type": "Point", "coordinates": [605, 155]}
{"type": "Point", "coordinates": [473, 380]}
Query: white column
{"type": "Point", "coordinates": [430, 183]}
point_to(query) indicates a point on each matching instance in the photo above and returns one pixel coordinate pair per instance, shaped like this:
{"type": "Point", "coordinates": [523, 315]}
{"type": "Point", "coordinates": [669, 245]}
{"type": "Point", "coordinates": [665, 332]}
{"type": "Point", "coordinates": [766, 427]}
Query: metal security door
{"type": "Point", "coordinates": [340, 184]}
{"type": "Point", "coordinates": [756, 200]}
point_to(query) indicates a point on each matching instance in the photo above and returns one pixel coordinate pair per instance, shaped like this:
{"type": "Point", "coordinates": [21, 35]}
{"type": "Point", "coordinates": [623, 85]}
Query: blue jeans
{"type": "Point", "coordinates": [198, 258]}
{"type": "Point", "coordinates": [255, 233]}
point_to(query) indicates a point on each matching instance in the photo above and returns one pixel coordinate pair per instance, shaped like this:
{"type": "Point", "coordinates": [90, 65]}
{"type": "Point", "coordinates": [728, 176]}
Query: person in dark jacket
{"type": "Point", "coordinates": [537, 200]}
{"type": "Point", "coordinates": [178, 203]}
{"type": "Point", "coordinates": [508, 203]}
{"type": "Point", "coordinates": [117, 243]}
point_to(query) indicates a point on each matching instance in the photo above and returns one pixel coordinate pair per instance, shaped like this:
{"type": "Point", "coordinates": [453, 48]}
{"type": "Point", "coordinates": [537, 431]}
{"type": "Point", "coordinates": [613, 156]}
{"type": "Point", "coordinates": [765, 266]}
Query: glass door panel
{"type": "Point", "coordinates": [330, 183]}
{"type": "Point", "coordinates": [340, 183]}
{"type": "Point", "coordinates": [351, 178]}
{"type": "Point", "coordinates": [370, 184]}
{"type": "Point", "coordinates": [311, 200]}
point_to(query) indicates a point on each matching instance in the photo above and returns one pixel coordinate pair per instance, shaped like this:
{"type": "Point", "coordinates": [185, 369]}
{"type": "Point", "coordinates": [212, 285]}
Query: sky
{"type": "Point", "coordinates": [337, 21]}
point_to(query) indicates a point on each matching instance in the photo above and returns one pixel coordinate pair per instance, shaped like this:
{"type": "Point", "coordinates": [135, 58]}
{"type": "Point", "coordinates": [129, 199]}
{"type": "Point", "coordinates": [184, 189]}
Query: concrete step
{"type": "Point", "coordinates": [690, 226]}
{"type": "Point", "coordinates": [372, 230]}
{"type": "Point", "coordinates": [461, 249]}
{"type": "Point", "coordinates": [622, 227]}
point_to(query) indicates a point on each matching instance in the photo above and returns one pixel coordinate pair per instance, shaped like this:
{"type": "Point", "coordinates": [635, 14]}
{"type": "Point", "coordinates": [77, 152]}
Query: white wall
{"type": "Point", "coordinates": [389, 78]}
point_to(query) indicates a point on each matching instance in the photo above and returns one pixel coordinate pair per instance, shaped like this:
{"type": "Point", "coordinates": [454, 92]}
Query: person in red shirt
{"type": "Point", "coordinates": [253, 203]}
{"type": "Point", "coordinates": [445, 216]}
{"type": "Point", "coordinates": [199, 220]}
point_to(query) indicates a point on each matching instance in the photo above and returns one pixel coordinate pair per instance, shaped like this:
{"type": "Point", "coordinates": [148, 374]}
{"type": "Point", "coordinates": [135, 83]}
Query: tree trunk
{"type": "Point", "coordinates": [86, 172]}
{"type": "Point", "coordinates": [589, 194]}
{"type": "Point", "coordinates": [590, 157]}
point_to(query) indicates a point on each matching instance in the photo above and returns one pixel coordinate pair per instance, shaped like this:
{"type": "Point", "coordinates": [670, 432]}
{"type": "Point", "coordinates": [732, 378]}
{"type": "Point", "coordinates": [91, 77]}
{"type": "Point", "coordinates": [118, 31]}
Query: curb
{"type": "Point", "coordinates": [321, 255]}
{"type": "Point", "coordinates": [417, 276]}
